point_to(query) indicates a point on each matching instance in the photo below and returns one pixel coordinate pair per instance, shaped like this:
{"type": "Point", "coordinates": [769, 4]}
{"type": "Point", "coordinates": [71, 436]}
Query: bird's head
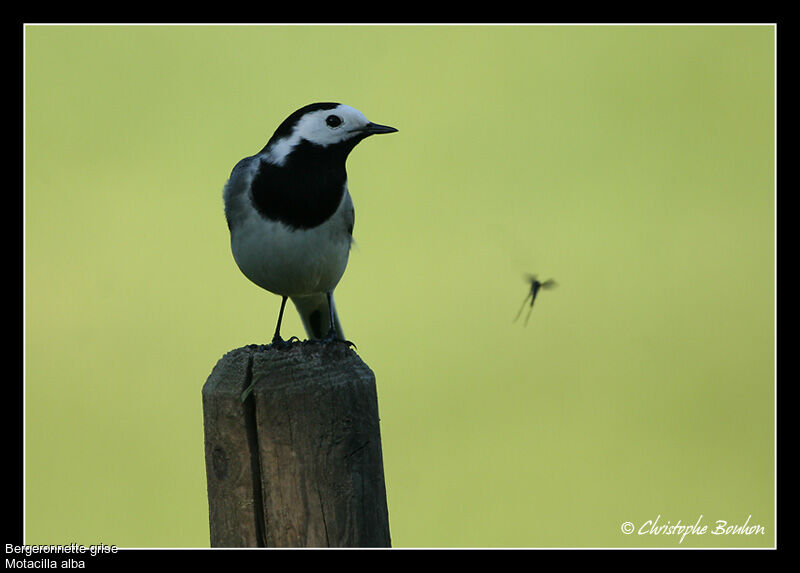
{"type": "Point", "coordinates": [322, 125]}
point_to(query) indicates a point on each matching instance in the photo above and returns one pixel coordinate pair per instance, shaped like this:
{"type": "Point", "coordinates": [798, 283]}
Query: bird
{"type": "Point", "coordinates": [291, 216]}
{"type": "Point", "coordinates": [535, 286]}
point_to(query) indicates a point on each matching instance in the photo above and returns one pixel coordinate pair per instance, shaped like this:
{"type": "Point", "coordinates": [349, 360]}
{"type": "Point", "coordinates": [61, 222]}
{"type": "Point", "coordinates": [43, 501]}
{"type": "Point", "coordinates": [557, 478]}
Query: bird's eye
{"type": "Point", "coordinates": [333, 121]}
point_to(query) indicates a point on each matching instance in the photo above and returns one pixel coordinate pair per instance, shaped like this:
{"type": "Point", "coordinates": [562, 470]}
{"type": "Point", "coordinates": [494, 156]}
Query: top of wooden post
{"type": "Point", "coordinates": [293, 449]}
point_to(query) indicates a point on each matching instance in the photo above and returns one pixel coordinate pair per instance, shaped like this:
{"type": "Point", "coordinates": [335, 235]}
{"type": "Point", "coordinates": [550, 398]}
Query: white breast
{"type": "Point", "coordinates": [293, 262]}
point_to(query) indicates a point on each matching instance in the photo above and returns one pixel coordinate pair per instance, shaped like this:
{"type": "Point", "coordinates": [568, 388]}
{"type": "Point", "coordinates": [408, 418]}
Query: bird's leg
{"type": "Point", "coordinates": [331, 336]}
{"type": "Point", "coordinates": [276, 339]}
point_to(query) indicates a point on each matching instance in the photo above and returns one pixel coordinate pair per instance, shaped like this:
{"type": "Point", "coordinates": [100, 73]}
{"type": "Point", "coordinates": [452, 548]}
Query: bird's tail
{"type": "Point", "coordinates": [315, 314]}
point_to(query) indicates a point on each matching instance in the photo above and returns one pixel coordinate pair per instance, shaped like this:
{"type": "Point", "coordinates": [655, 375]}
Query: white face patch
{"type": "Point", "coordinates": [322, 127]}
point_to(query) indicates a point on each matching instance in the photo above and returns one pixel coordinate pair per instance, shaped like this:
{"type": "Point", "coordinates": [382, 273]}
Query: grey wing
{"type": "Point", "coordinates": [349, 217]}
{"type": "Point", "coordinates": [235, 191]}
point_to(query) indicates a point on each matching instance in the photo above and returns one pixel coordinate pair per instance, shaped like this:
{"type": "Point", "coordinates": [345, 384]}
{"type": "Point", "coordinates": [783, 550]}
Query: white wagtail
{"type": "Point", "coordinates": [535, 286]}
{"type": "Point", "coordinates": [290, 214]}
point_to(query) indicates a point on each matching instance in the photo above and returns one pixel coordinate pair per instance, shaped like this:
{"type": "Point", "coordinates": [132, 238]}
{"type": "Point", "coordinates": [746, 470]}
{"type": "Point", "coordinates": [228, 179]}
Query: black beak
{"type": "Point", "coordinates": [373, 128]}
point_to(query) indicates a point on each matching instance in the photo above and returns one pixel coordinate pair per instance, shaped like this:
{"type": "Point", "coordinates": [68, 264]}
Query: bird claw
{"type": "Point", "coordinates": [281, 344]}
{"type": "Point", "coordinates": [331, 337]}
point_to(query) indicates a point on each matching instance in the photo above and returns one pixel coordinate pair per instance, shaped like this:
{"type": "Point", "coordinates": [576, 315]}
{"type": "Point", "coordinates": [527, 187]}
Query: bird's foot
{"type": "Point", "coordinates": [281, 344]}
{"type": "Point", "coordinates": [331, 337]}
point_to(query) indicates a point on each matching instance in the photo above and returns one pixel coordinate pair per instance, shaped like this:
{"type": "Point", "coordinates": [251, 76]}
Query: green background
{"type": "Point", "coordinates": [634, 164]}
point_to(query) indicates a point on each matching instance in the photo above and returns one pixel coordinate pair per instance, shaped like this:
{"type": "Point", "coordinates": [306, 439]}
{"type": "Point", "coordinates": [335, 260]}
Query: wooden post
{"type": "Point", "coordinates": [298, 462]}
